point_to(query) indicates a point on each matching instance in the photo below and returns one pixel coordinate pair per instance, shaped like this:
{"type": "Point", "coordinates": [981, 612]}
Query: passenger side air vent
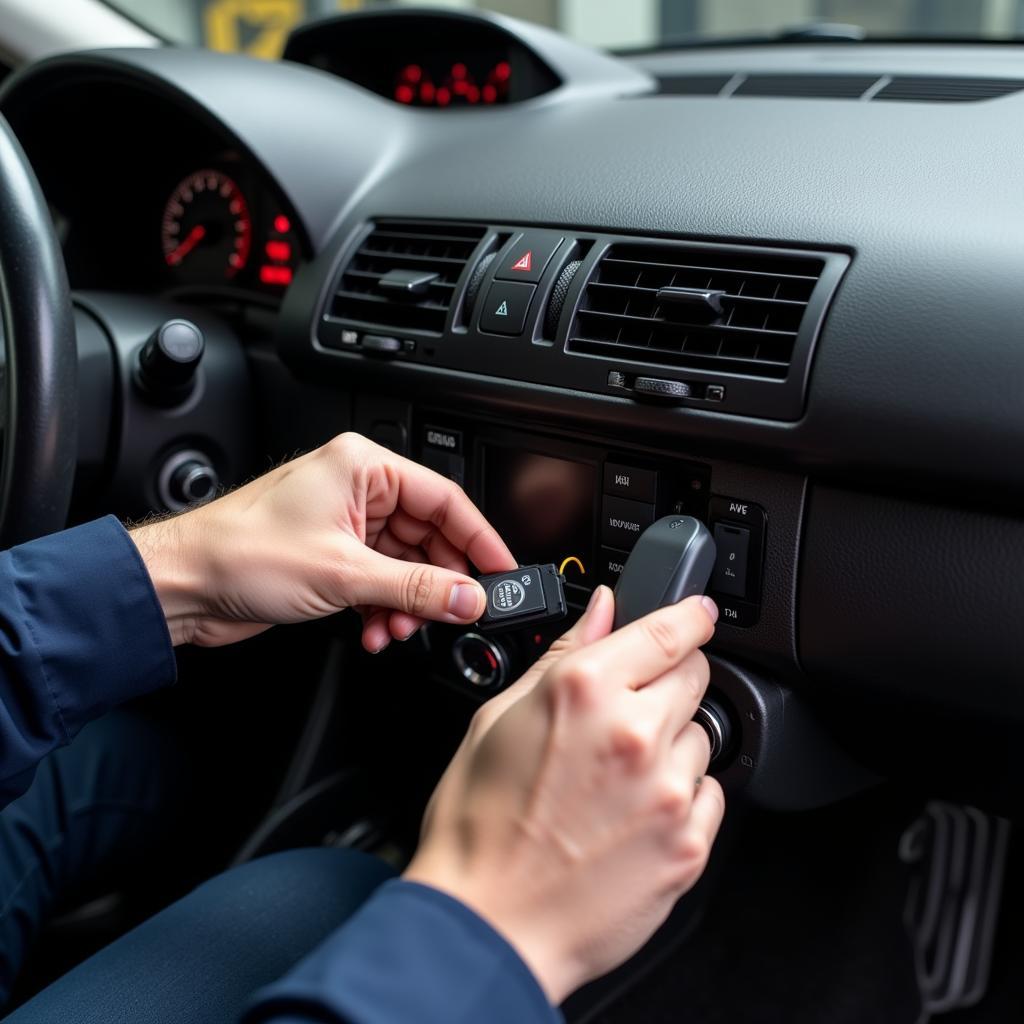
{"type": "Point", "coordinates": [404, 274]}
{"type": "Point", "coordinates": [697, 307]}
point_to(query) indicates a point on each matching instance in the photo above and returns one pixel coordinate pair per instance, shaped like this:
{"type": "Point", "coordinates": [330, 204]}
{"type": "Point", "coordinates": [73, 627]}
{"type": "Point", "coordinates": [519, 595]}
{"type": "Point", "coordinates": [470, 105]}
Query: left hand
{"type": "Point", "coordinates": [348, 525]}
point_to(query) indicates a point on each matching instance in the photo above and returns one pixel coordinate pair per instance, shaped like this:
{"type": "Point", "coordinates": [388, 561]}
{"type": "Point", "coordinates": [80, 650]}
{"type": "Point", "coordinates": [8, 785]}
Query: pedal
{"type": "Point", "coordinates": [958, 856]}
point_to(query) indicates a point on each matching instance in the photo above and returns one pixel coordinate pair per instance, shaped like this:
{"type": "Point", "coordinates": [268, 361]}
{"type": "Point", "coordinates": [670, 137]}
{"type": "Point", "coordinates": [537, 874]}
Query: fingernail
{"type": "Point", "coordinates": [412, 632]}
{"type": "Point", "coordinates": [593, 599]}
{"type": "Point", "coordinates": [383, 647]}
{"type": "Point", "coordinates": [464, 601]}
{"type": "Point", "coordinates": [710, 607]}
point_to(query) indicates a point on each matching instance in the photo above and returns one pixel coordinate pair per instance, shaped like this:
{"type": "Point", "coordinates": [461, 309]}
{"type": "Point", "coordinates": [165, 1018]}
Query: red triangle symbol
{"type": "Point", "coordinates": [525, 262]}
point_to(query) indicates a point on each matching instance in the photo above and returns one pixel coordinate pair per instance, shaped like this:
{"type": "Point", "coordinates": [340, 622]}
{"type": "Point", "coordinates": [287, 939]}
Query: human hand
{"type": "Point", "coordinates": [575, 814]}
{"type": "Point", "coordinates": [348, 525]}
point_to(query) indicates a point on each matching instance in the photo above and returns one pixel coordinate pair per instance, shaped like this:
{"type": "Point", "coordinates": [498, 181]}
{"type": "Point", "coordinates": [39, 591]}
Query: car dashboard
{"type": "Point", "coordinates": [774, 288]}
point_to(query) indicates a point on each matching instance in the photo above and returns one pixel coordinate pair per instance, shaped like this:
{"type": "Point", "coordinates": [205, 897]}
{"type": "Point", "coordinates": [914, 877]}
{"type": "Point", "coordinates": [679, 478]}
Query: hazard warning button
{"type": "Point", "coordinates": [527, 256]}
{"type": "Point", "coordinates": [505, 307]}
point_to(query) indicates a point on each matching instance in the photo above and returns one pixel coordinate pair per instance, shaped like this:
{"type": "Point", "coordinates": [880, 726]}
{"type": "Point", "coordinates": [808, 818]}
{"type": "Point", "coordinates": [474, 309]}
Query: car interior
{"type": "Point", "coordinates": [771, 282]}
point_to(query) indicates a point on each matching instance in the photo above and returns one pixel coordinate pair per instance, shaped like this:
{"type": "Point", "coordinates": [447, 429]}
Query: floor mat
{"type": "Point", "coordinates": [805, 928]}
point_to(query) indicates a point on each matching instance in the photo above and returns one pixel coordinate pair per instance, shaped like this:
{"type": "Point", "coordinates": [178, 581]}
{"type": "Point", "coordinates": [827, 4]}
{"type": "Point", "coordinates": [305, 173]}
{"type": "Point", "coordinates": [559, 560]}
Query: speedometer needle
{"type": "Point", "coordinates": [194, 237]}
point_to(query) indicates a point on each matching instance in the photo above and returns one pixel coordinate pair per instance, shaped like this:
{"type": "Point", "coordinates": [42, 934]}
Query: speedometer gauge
{"type": "Point", "coordinates": [206, 232]}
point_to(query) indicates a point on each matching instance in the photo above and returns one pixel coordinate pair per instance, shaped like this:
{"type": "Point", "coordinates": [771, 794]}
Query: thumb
{"type": "Point", "coordinates": [416, 588]}
{"type": "Point", "coordinates": [593, 624]}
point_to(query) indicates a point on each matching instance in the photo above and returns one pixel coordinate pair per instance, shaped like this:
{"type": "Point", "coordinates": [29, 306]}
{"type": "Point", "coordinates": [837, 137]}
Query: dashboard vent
{"type": "Point", "coordinates": [697, 308]}
{"type": "Point", "coordinates": [947, 90]}
{"type": "Point", "coordinates": [904, 88]}
{"type": "Point", "coordinates": [694, 85]}
{"type": "Point", "coordinates": [833, 87]}
{"type": "Point", "coordinates": [404, 274]}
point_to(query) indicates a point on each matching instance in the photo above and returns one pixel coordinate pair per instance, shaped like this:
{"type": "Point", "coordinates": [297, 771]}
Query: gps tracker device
{"type": "Point", "coordinates": [671, 561]}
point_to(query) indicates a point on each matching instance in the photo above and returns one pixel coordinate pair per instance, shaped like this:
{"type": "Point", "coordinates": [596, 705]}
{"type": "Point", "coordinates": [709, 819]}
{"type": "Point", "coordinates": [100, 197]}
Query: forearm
{"type": "Point", "coordinates": [411, 954]}
{"type": "Point", "coordinates": [80, 631]}
{"type": "Point", "coordinates": [174, 559]}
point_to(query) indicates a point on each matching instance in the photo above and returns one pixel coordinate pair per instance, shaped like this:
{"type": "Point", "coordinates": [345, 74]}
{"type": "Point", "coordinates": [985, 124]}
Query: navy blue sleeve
{"type": "Point", "coordinates": [410, 955]}
{"type": "Point", "coordinates": [81, 630]}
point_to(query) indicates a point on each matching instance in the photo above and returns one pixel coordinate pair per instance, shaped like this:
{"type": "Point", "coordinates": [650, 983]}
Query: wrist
{"type": "Point", "coordinates": [538, 947]}
{"type": "Point", "coordinates": [173, 561]}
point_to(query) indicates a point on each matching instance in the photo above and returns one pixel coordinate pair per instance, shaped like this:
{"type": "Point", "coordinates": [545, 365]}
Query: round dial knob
{"type": "Point", "coordinates": [169, 360]}
{"type": "Point", "coordinates": [193, 482]}
{"type": "Point", "coordinates": [186, 478]}
{"type": "Point", "coordinates": [481, 661]}
{"type": "Point", "coordinates": [712, 717]}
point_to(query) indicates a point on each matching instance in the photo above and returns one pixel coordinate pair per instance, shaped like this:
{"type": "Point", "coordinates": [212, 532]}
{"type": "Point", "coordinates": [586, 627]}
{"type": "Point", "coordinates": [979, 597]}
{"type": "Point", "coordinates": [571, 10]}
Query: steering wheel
{"type": "Point", "coordinates": [40, 421]}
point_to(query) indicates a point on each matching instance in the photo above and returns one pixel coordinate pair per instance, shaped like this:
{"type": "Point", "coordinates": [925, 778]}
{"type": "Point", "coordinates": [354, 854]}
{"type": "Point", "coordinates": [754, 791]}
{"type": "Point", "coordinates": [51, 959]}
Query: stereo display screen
{"type": "Point", "coordinates": [544, 508]}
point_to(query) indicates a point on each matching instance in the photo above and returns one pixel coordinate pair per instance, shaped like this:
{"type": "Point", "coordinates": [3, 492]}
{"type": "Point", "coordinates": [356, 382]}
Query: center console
{"type": "Point", "coordinates": [581, 506]}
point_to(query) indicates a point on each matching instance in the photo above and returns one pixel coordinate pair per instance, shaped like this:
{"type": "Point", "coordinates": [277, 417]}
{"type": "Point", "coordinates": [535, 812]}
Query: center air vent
{"type": "Point", "coordinates": [404, 274]}
{"type": "Point", "coordinates": [697, 308]}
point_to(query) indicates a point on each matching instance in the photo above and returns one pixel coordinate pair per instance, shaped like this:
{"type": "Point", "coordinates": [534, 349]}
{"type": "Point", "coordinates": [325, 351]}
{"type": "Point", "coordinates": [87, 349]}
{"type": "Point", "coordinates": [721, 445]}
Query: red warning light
{"type": "Point", "coordinates": [443, 97]}
{"type": "Point", "coordinates": [525, 262]}
{"type": "Point", "coordinates": [412, 73]}
{"type": "Point", "coordinates": [275, 275]}
{"type": "Point", "coordinates": [490, 94]}
{"type": "Point", "coordinates": [404, 93]}
{"type": "Point", "coordinates": [427, 91]}
{"type": "Point", "coordinates": [281, 251]}
{"type": "Point", "coordinates": [502, 71]}
{"type": "Point", "coordinates": [459, 71]}
{"type": "Point", "coordinates": [282, 225]}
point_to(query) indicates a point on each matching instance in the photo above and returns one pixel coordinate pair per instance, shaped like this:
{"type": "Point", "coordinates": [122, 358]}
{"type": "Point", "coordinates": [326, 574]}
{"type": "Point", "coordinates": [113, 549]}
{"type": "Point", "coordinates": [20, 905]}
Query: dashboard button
{"type": "Point", "coordinates": [628, 482]}
{"type": "Point", "coordinates": [737, 613]}
{"type": "Point", "coordinates": [381, 343]}
{"type": "Point", "coordinates": [730, 573]}
{"type": "Point", "coordinates": [623, 520]}
{"type": "Point", "coordinates": [443, 439]}
{"type": "Point", "coordinates": [528, 255]}
{"type": "Point", "coordinates": [505, 308]}
{"type": "Point", "coordinates": [610, 566]}
{"type": "Point", "coordinates": [451, 466]}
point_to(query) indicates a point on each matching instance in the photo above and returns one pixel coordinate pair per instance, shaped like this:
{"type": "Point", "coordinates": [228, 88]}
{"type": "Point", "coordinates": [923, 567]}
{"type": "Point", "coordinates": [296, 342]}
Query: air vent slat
{"type": "Point", "coordinates": [424, 237]}
{"type": "Point", "coordinates": [728, 297]}
{"type": "Point", "coordinates": [442, 248]}
{"type": "Point", "coordinates": [701, 266]}
{"type": "Point", "coordinates": [766, 295]}
{"type": "Point", "coordinates": [410, 257]}
{"type": "Point", "coordinates": [659, 321]}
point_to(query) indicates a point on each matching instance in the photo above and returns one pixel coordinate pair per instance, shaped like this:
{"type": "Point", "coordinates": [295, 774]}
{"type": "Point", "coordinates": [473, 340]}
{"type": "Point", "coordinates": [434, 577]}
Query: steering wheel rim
{"type": "Point", "coordinates": [40, 429]}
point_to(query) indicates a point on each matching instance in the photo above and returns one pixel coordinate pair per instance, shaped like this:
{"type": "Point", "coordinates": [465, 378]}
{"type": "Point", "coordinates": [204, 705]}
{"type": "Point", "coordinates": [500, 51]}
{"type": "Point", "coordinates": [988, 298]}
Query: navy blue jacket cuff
{"type": "Point", "coordinates": [81, 630]}
{"type": "Point", "coordinates": [410, 955]}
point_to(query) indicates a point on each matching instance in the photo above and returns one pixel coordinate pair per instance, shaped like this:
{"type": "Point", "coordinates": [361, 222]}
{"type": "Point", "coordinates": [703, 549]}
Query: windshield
{"type": "Point", "coordinates": [259, 27]}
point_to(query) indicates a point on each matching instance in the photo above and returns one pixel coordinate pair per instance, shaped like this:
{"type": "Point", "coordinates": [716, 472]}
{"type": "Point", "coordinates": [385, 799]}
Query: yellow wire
{"type": "Point", "coordinates": [566, 561]}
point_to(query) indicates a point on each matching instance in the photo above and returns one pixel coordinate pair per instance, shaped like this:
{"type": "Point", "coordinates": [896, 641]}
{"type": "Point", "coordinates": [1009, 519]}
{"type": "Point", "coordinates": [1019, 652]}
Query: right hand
{"type": "Point", "coordinates": [576, 811]}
